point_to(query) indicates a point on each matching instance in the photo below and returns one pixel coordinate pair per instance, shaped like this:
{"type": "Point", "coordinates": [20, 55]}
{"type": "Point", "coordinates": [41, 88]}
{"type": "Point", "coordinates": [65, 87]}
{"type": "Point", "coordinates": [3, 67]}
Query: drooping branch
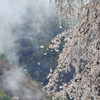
{"type": "Point", "coordinates": [83, 44]}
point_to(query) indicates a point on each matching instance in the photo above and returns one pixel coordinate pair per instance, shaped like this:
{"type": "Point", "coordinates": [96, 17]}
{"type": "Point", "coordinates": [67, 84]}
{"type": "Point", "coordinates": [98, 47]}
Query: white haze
{"type": "Point", "coordinates": [15, 81]}
{"type": "Point", "coordinates": [13, 15]}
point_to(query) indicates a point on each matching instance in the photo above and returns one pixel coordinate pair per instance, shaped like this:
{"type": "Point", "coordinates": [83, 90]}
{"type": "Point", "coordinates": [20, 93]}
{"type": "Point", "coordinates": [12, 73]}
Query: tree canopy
{"type": "Point", "coordinates": [81, 50]}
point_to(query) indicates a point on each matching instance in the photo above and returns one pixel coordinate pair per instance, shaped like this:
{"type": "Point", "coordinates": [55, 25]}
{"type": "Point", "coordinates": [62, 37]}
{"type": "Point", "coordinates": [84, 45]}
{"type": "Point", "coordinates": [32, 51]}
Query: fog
{"type": "Point", "coordinates": [22, 19]}
{"type": "Point", "coordinates": [19, 85]}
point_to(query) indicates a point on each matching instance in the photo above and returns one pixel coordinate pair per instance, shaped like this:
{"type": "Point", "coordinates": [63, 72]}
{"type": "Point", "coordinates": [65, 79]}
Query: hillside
{"type": "Point", "coordinates": [15, 83]}
{"type": "Point", "coordinates": [4, 66]}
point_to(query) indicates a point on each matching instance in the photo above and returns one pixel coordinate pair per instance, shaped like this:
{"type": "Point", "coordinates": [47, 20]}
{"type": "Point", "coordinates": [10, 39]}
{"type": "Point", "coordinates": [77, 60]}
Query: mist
{"type": "Point", "coordinates": [23, 19]}
{"type": "Point", "coordinates": [20, 85]}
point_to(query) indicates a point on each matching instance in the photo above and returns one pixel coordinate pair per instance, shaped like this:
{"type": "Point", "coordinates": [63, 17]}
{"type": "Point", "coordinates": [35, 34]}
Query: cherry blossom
{"type": "Point", "coordinates": [82, 44]}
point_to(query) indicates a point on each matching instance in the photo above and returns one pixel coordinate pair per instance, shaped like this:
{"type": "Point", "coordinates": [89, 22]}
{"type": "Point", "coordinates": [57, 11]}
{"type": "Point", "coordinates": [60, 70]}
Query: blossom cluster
{"type": "Point", "coordinates": [81, 49]}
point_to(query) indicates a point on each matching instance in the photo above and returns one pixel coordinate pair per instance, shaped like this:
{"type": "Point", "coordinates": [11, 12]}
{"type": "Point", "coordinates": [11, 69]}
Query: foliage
{"type": "Point", "coordinates": [3, 96]}
{"type": "Point", "coordinates": [81, 50]}
{"type": "Point", "coordinates": [4, 57]}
